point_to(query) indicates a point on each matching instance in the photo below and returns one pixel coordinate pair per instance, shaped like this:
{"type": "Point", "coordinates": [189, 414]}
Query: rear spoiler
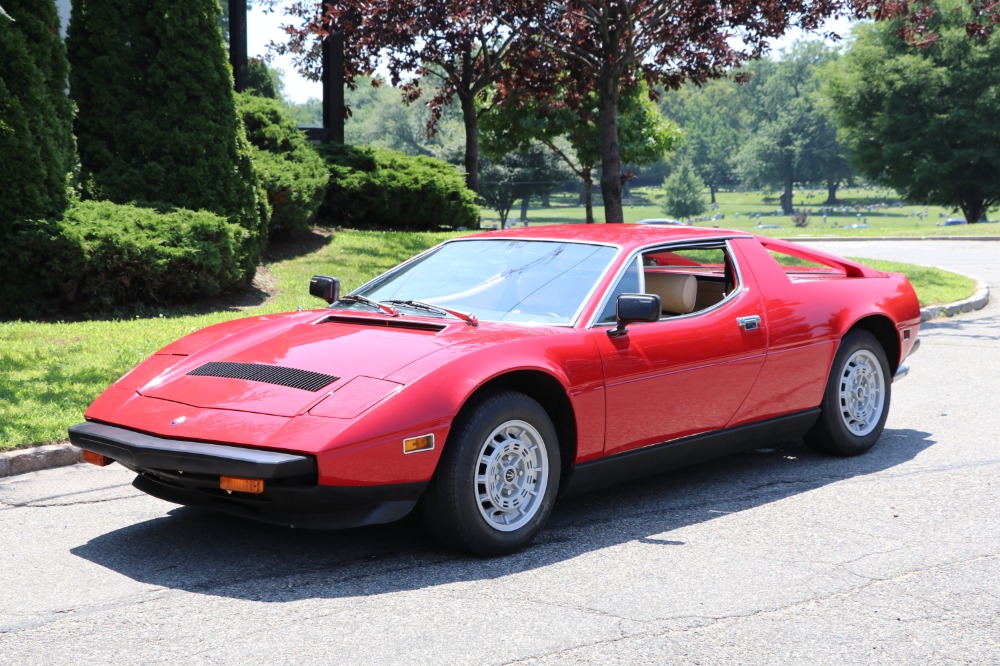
{"type": "Point", "coordinates": [850, 268]}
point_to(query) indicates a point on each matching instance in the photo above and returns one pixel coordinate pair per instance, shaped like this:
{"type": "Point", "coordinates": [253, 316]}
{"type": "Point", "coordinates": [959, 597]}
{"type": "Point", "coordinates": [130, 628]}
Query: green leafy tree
{"type": "Point", "coordinates": [380, 116]}
{"type": "Point", "coordinates": [37, 153]}
{"type": "Point", "coordinates": [308, 113]}
{"type": "Point", "coordinates": [568, 126]}
{"type": "Point", "coordinates": [711, 118]}
{"type": "Point", "coordinates": [684, 192]}
{"type": "Point", "coordinates": [506, 177]}
{"type": "Point", "coordinates": [157, 120]}
{"type": "Point", "coordinates": [793, 139]}
{"type": "Point", "coordinates": [925, 121]}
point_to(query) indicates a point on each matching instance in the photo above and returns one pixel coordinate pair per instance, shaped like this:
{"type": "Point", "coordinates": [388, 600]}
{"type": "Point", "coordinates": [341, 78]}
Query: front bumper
{"type": "Point", "coordinates": [187, 472]}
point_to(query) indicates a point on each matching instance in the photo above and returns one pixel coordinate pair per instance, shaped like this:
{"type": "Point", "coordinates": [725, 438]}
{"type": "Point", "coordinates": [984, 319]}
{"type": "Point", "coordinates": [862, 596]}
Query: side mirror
{"type": "Point", "coordinates": [327, 288]}
{"type": "Point", "coordinates": [634, 308]}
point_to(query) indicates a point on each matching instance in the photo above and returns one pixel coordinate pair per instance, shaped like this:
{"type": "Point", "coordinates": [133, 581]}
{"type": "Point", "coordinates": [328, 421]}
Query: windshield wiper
{"type": "Point", "coordinates": [364, 300]}
{"type": "Point", "coordinates": [469, 319]}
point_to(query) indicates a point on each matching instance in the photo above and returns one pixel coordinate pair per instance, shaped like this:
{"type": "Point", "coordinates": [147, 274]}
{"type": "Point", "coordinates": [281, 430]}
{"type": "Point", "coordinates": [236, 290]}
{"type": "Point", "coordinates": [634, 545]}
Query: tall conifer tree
{"type": "Point", "coordinates": [37, 154]}
{"type": "Point", "coordinates": [157, 121]}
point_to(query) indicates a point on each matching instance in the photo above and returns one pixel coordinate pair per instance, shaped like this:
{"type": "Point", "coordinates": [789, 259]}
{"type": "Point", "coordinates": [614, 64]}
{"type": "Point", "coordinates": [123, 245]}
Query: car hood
{"type": "Point", "coordinates": [285, 368]}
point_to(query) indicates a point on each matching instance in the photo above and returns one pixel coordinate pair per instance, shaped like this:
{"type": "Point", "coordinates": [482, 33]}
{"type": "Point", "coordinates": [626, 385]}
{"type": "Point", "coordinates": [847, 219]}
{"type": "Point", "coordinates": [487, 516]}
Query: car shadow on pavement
{"type": "Point", "coordinates": [215, 554]}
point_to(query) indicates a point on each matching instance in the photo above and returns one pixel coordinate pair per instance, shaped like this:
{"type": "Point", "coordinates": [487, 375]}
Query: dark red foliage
{"type": "Point", "coordinates": [551, 48]}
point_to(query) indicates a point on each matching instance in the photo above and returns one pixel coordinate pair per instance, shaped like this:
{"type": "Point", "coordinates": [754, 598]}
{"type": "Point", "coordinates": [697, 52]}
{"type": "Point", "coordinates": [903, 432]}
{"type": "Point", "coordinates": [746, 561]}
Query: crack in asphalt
{"type": "Point", "coordinates": [43, 502]}
{"type": "Point", "coordinates": [32, 505]}
{"type": "Point", "coordinates": [707, 622]}
{"type": "Point", "coordinates": [213, 586]}
{"type": "Point", "coordinates": [62, 614]}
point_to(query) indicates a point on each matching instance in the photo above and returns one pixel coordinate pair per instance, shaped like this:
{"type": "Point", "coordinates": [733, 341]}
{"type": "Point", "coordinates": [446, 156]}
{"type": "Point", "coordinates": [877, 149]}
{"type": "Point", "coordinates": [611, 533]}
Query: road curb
{"type": "Point", "coordinates": [977, 301]}
{"type": "Point", "coordinates": [34, 459]}
{"type": "Point", "coordinates": [22, 461]}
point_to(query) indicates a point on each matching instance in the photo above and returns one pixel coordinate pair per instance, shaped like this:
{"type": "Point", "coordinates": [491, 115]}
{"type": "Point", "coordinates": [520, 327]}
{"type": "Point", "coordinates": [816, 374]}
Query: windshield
{"type": "Point", "coordinates": [499, 280]}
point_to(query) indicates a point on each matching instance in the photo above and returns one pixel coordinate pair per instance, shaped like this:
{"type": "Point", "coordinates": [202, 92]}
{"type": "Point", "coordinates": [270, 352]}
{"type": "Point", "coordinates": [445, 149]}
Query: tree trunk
{"type": "Point", "coordinates": [973, 209]}
{"type": "Point", "coordinates": [471, 120]}
{"type": "Point", "coordinates": [588, 193]}
{"type": "Point", "coordinates": [711, 189]}
{"type": "Point", "coordinates": [831, 192]}
{"type": "Point", "coordinates": [786, 198]}
{"type": "Point", "coordinates": [611, 167]}
{"type": "Point", "coordinates": [546, 200]}
{"type": "Point", "coordinates": [524, 208]}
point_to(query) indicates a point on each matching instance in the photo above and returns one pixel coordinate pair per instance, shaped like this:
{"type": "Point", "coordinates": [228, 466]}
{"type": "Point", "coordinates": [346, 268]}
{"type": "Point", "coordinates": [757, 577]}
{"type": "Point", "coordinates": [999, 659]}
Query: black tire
{"type": "Point", "coordinates": [856, 402]}
{"type": "Point", "coordinates": [512, 436]}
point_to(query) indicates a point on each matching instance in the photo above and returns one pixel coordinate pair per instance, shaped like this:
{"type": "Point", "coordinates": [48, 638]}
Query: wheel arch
{"type": "Point", "coordinates": [885, 332]}
{"type": "Point", "coordinates": [547, 391]}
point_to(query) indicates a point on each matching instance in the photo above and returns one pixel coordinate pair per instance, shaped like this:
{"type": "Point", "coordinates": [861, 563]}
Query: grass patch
{"type": "Point", "coordinates": [51, 371]}
{"type": "Point", "coordinates": [883, 212]}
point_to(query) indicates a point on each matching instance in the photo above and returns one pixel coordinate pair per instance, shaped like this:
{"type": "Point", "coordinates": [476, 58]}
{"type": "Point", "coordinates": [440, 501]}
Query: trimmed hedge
{"type": "Point", "coordinates": [380, 188]}
{"type": "Point", "coordinates": [291, 171]}
{"type": "Point", "coordinates": [103, 255]}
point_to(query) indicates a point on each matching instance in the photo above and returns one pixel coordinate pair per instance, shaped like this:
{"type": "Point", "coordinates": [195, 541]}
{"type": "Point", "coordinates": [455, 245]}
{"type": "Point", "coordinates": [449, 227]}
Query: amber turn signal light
{"type": "Point", "coordinates": [241, 485]}
{"type": "Point", "coordinates": [96, 458]}
{"type": "Point", "coordinates": [422, 443]}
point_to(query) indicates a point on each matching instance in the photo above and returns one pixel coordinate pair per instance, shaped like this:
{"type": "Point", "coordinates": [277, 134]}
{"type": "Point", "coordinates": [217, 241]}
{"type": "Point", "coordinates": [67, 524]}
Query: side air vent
{"type": "Point", "coordinates": [267, 374]}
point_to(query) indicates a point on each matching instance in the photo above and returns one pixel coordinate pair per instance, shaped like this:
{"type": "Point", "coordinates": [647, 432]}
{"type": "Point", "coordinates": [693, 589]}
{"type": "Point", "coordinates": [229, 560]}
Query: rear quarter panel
{"type": "Point", "coordinates": [806, 321]}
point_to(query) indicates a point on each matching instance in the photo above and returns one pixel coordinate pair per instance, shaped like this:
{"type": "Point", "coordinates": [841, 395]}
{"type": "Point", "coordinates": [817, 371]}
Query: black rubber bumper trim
{"type": "Point", "coordinates": [137, 450]}
{"type": "Point", "coordinates": [316, 507]}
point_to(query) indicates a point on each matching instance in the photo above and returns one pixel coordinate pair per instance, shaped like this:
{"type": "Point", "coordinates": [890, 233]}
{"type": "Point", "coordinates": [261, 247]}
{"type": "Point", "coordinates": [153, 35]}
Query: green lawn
{"type": "Point", "coordinates": [51, 371]}
{"type": "Point", "coordinates": [883, 212]}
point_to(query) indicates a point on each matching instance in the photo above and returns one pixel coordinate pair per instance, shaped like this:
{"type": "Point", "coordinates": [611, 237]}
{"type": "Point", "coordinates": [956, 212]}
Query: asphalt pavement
{"type": "Point", "coordinates": [778, 556]}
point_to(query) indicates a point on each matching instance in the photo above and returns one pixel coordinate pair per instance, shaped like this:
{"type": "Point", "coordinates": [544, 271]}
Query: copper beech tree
{"type": "Point", "coordinates": [601, 45]}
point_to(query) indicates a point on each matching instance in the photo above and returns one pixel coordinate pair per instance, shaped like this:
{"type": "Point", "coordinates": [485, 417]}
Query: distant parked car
{"type": "Point", "coordinates": [662, 220]}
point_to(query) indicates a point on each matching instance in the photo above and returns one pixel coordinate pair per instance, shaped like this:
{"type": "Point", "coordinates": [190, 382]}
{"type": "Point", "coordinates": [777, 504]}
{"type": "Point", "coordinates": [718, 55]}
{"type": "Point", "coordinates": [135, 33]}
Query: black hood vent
{"type": "Point", "coordinates": [267, 374]}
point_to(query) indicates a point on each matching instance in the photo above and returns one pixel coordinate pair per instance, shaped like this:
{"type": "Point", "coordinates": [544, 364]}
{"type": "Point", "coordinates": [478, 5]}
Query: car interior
{"type": "Point", "coordinates": [687, 280]}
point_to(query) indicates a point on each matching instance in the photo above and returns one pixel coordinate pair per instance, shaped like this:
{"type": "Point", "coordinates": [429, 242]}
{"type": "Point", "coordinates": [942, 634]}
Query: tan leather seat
{"type": "Point", "coordinates": [677, 293]}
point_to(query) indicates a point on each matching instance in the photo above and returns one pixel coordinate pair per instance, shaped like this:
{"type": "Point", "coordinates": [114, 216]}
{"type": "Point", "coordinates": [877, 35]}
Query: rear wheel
{"type": "Point", "coordinates": [856, 402]}
{"type": "Point", "coordinates": [498, 476]}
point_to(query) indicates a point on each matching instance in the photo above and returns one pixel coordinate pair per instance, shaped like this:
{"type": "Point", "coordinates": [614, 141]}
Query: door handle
{"type": "Point", "coordinates": [750, 323]}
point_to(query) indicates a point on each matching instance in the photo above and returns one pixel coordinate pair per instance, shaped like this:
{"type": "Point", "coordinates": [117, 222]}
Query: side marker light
{"type": "Point", "coordinates": [96, 458]}
{"type": "Point", "coordinates": [421, 443]}
{"type": "Point", "coordinates": [241, 485]}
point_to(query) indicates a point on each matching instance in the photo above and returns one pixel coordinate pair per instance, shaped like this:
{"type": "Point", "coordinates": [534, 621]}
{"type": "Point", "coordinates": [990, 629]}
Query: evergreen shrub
{"type": "Point", "coordinates": [379, 188]}
{"type": "Point", "coordinates": [102, 255]}
{"type": "Point", "coordinates": [291, 171]}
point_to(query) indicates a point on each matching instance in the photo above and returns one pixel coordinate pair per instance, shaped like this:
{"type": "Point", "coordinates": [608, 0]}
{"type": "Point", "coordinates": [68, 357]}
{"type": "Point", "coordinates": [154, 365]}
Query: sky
{"type": "Point", "coordinates": [262, 29]}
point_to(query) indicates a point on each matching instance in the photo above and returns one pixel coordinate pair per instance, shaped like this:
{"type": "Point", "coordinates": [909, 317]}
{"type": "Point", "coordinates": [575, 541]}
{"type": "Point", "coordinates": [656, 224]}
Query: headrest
{"type": "Point", "coordinates": [677, 292]}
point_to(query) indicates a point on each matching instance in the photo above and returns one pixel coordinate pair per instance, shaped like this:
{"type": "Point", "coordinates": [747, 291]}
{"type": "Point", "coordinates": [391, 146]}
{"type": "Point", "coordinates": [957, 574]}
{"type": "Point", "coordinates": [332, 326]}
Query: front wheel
{"type": "Point", "coordinates": [856, 402]}
{"type": "Point", "coordinates": [498, 476]}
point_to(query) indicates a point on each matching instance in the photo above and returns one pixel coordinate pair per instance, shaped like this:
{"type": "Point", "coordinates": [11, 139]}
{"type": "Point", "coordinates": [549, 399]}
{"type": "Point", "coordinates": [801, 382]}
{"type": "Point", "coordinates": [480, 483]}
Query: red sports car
{"type": "Point", "coordinates": [486, 376]}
